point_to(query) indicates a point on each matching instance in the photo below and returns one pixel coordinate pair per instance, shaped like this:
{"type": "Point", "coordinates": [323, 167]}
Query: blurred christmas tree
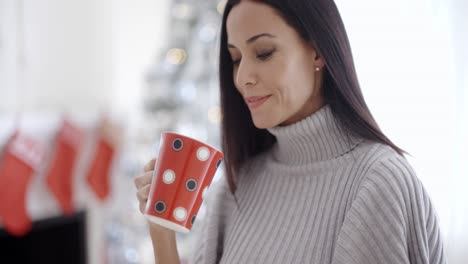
{"type": "Point", "coordinates": [181, 95]}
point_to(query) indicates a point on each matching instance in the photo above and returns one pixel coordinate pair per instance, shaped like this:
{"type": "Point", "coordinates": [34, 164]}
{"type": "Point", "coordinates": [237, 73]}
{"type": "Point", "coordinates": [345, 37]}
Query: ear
{"type": "Point", "coordinates": [315, 56]}
{"type": "Point", "coordinates": [318, 59]}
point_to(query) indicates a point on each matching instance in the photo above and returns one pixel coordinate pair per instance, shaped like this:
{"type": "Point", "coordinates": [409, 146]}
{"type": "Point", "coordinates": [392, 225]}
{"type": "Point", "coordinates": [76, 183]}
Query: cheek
{"type": "Point", "coordinates": [277, 77]}
{"type": "Point", "coordinates": [294, 86]}
{"type": "Point", "coordinates": [234, 80]}
{"type": "Point", "coordinates": [301, 75]}
{"type": "Point", "coordinates": [286, 84]}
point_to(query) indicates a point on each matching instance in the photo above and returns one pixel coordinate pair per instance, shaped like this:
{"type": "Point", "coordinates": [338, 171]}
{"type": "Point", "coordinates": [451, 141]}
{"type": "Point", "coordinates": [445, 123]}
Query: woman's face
{"type": "Point", "coordinates": [271, 59]}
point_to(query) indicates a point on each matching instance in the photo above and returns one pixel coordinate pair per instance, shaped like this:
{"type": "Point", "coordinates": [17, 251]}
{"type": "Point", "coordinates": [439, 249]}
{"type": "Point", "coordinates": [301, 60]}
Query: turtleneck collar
{"type": "Point", "coordinates": [317, 137]}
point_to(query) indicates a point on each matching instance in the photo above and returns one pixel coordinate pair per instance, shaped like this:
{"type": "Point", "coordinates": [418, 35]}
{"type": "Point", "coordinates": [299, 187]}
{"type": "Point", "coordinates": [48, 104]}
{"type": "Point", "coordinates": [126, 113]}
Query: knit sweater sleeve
{"type": "Point", "coordinates": [209, 247]}
{"type": "Point", "coordinates": [391, 220]}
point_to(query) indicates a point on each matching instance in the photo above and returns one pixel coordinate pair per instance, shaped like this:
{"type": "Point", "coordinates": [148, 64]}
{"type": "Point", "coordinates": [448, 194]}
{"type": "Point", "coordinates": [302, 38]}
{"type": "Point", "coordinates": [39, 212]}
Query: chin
{"type": "Point", "coordinates": [264, 124]}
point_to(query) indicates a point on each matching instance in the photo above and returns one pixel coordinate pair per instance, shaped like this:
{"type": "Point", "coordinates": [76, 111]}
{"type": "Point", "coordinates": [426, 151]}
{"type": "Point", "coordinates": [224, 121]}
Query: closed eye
{"type": "Point", "coordinates": [261, 56]}
{"type": "Point", "coordinates": [265, 55]}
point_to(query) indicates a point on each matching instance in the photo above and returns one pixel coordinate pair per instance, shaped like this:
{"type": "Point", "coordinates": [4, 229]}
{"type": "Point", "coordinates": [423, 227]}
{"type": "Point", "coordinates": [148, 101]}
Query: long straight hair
{"type": "Point", "coordinates": [319, 23]}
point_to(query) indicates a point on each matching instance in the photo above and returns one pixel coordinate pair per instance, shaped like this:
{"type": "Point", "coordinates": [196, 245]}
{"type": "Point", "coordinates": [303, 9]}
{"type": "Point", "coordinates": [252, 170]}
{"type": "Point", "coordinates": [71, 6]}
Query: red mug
{"type": "Point", "coordinates": [182, 174]}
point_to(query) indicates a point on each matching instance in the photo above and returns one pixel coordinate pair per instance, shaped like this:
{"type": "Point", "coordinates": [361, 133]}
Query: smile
{"type": "Point", "coordinates": [254, 103]}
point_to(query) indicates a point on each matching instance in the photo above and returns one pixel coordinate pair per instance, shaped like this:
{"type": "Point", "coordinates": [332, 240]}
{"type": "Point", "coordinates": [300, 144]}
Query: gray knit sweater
{"type": "Point", "coordinates": [319, 196]}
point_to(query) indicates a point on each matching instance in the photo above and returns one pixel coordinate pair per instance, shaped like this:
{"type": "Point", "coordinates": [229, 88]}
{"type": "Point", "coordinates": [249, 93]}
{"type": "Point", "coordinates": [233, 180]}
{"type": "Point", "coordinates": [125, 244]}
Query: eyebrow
{"type": "Point", "coordinates": [254, 38]}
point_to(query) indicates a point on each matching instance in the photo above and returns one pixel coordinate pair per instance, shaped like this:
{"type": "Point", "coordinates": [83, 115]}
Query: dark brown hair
{"type": "Point", "coordinates": [319, 23]}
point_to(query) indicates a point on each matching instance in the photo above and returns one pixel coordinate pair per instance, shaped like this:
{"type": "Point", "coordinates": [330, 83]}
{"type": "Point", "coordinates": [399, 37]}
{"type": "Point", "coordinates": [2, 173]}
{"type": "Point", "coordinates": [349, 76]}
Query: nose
{"type": "Point", "coordinates": [245, 74]}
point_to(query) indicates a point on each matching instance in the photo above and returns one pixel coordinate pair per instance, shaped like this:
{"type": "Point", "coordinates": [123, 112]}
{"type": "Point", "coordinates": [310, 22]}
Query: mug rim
{"type": "Point", "coordinates": [191, 138]}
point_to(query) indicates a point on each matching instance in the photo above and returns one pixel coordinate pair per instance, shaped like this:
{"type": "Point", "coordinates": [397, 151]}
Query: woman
{"type": "Point", "coordinates": [310, 177]}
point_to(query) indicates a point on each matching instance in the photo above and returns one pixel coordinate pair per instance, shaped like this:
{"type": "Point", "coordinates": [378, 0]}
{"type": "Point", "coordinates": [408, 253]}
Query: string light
{"type": "Point", "coordinates": [176, 56]}
{"type": "Point", "coordinates": [182, 11]}
{"type": "Point", "coordinates": [221, 6]}
{"type": "Point", "coordinates": [214, 114]}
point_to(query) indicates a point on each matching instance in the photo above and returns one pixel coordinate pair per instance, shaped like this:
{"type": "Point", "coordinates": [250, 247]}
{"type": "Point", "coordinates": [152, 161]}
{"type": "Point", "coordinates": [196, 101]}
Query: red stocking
{"type": "Point", "coordinates": [21, 158]}
{"type": "Point", "coordinates": [60, 176]}
{"type": "Point", "coordinates": [100, 169]}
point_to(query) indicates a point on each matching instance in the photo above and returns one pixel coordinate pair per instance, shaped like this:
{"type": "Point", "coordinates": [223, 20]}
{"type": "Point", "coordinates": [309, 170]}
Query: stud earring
{"type": "Point", "coordinates": [317, 69]}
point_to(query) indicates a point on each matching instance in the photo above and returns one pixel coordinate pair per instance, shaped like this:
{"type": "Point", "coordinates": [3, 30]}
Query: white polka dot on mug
{"type": "Point", "coordinates": [203, 153]}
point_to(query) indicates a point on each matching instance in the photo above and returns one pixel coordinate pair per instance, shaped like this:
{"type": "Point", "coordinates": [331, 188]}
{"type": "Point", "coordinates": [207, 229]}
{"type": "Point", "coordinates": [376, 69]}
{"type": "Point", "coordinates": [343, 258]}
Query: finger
{"type": "Point", "coordinates": [150, 165]}
{"type": "Point", "coordinates": [143, 193]}
{"type": "Point", "coordinates": [142, 207]}
{"type": "Point", "coordinates": [143, 179]}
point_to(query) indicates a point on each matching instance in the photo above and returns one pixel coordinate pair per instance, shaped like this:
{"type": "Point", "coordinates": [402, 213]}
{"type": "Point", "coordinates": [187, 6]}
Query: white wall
{"type": "Point", "coordinates": [67, 55]}
{"type": "Point", "coordinates": [458, 231]}
{"type": "Point", "coordinates": [79, 55]}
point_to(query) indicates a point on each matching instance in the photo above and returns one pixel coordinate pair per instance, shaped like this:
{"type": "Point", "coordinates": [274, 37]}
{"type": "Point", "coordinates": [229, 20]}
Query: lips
{"type": "Point", "coordinates": [254, 98]}
{"type": "Point", "coordinates": [256, 101]}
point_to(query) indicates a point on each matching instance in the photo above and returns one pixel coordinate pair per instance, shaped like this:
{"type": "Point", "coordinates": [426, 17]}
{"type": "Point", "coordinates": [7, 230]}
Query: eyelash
{"type": "Point", "coordinates": [263, 56]}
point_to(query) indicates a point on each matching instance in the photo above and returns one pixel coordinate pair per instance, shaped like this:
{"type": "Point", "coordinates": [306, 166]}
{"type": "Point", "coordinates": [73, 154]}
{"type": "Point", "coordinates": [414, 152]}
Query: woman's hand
{"type": "Point", "coordinates": [143, 185]}
{"type": "Point", "coordinates": [164, 239]}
